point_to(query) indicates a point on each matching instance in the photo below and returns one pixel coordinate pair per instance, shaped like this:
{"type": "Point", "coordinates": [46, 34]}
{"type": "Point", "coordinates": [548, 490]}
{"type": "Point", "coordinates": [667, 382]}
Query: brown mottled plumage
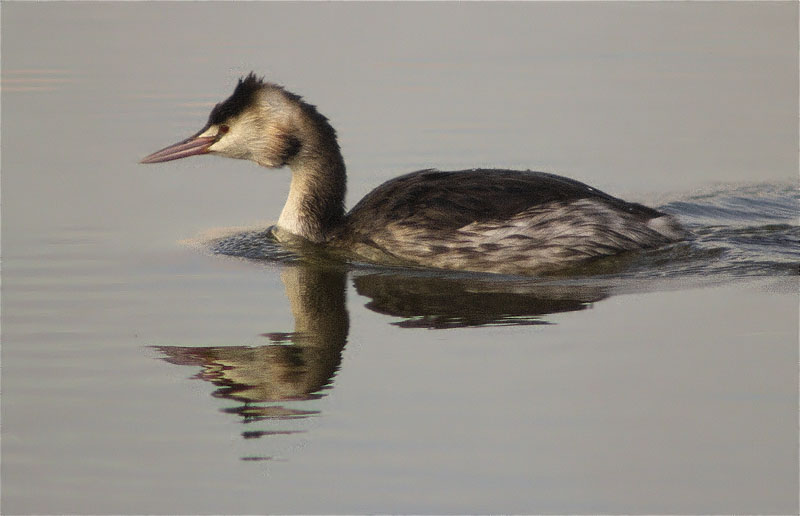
{"type": "Point", "coordinates": [483, 220]}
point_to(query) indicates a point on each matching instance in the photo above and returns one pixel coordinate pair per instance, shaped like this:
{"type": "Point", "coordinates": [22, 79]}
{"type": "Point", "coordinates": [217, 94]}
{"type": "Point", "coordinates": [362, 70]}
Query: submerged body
{"type": "Point", "coordinates": [501, 221]}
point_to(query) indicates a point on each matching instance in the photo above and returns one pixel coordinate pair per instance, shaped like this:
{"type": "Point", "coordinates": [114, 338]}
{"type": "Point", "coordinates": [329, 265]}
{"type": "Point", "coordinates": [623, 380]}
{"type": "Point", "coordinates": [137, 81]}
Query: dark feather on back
{"type": "Point", "coordinates": [450, 200]}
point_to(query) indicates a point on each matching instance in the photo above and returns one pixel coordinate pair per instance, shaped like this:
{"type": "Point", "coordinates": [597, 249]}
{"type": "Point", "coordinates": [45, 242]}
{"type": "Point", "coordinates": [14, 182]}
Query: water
{"type": "Point", "coordinates": [160, 356]}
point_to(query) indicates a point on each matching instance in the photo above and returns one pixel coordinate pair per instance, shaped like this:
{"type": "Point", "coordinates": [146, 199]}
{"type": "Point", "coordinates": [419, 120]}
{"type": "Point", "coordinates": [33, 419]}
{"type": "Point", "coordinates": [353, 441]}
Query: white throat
{"type": "Point", "coordinates": [291, 218]}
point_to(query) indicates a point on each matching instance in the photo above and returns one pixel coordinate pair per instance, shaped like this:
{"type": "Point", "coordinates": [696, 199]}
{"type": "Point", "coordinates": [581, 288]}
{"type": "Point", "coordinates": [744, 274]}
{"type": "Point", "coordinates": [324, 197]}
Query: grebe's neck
{"type": "Point", "coordinates": [315, 205]}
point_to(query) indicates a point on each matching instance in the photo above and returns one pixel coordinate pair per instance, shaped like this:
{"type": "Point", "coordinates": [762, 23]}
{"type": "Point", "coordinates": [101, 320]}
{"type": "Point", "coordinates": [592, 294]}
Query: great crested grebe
{"type": "Point", "coordinates": [488, 220]}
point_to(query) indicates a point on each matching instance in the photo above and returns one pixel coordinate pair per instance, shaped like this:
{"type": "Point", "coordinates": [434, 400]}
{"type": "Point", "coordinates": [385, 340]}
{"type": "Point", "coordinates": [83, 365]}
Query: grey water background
{"type": "Point", "coordinates": [146, 370]}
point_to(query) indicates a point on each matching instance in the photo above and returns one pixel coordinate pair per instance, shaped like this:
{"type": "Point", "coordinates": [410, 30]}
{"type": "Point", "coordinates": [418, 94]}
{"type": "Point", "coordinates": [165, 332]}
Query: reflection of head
{"type": "Point", "coordinates": [436, 302]}
{"type": "Point", "coordinates": [298, 364]}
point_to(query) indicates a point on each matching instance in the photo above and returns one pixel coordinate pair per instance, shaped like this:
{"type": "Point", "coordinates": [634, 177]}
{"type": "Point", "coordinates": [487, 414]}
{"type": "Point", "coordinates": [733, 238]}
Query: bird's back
{"type": "Point", "coordinates": [494, 220]}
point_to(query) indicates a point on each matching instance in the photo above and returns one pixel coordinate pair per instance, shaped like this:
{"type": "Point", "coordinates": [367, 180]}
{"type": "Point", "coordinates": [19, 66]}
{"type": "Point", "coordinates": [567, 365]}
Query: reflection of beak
{"type": "Point", "coordinates": [183, 149]}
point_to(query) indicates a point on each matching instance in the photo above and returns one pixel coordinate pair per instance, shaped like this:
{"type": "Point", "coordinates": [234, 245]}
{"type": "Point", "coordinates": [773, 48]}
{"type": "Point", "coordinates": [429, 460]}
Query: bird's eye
{"type": "Point", "coordinates": [224, 129]}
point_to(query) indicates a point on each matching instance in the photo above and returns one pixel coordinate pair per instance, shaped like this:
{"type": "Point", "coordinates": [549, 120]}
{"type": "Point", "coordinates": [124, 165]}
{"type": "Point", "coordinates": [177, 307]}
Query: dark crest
{"type": "Point", "coordinates": [242, 97]}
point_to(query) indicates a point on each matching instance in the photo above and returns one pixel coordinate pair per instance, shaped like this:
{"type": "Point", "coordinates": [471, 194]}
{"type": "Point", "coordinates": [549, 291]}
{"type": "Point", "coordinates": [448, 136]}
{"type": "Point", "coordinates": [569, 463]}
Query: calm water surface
{"type": "Point", "coordinates": [159, 355]}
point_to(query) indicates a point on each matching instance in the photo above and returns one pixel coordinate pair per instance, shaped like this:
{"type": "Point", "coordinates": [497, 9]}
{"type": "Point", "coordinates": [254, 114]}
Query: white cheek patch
{"type": "Point", "coordinates": [229, 145]}
{"type": "Point", "coordinates": [217, 146]}
{"type": "Point", "coordinates": [211, 131]}
{"type": "Point", "coordinates": [221, 147]}
{"type": "Point", "coordinates": [237, 142]}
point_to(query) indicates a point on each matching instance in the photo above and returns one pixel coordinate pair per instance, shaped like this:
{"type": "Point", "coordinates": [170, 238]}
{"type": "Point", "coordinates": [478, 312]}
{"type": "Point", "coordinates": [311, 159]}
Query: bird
{"type": "Point", "coordinates": [483, 220]}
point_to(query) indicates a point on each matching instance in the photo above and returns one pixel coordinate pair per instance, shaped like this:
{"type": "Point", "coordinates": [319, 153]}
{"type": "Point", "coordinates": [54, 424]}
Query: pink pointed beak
{"type": "Point", "coordinates": [191, 146]}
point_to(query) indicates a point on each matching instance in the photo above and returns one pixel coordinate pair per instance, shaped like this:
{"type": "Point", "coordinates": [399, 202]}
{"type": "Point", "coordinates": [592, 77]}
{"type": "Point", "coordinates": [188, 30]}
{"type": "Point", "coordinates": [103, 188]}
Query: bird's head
{"type": "Point", "coordinates": [260, 122]}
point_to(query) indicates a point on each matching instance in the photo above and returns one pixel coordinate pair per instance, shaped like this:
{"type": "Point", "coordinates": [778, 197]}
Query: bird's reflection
{"type": "Point", "coordinates": [275, 381]}
{"type": "Point", "coordinates": [456, 302]}
{"type": "Point", "coordinates": [294, 366]}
